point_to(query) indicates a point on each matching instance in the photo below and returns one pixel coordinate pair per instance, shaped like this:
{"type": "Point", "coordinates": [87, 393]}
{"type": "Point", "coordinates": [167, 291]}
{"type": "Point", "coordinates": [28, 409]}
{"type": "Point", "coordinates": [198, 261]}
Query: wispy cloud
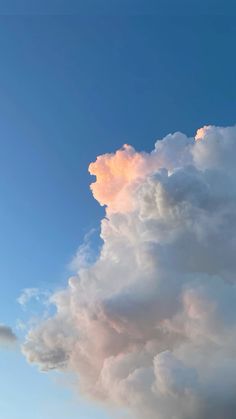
{"type": "Point", "coordinates": [85, 254]}
{"type": "Point", "coordinates": [29, 294]}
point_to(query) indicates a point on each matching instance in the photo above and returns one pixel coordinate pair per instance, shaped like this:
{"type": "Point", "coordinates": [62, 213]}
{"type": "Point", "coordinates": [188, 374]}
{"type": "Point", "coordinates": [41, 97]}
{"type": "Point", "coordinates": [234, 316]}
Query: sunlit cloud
{"type": "Point", "coordinates": [150, 325]}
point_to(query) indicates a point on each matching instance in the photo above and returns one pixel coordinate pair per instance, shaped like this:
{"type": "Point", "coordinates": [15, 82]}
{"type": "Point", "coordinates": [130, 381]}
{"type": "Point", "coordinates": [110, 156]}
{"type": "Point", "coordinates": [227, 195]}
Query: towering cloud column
{"type": "Point", "coordinates": [151, 325]}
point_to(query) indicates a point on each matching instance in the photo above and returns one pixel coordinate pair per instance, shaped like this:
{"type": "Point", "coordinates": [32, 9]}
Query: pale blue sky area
{"type": "Point", "coordinates": [73, 86]}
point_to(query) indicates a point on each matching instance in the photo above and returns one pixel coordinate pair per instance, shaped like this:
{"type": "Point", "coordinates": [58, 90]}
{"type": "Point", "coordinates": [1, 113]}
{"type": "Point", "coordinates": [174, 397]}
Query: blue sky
{"type": "Point", "coordinates": [74, 86]}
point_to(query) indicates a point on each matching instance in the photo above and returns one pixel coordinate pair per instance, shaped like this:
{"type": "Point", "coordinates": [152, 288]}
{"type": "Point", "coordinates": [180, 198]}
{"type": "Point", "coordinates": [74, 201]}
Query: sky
{"type": "Point", "coordinates": [77, 82]}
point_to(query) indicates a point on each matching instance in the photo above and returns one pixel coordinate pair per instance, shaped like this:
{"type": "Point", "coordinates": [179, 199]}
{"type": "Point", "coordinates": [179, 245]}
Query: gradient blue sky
{"type": "Point", "coordinates": [74, 85]}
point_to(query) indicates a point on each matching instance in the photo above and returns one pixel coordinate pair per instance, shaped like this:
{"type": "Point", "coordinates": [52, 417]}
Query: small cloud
{"type": "Point", "coordinates": [7, 336]}
{"type": "Point", "coordinates": [29, 294]}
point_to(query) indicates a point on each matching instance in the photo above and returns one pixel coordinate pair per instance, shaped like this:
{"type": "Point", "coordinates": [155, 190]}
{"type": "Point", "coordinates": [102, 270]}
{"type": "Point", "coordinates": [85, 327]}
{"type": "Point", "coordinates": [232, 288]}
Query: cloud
{"type": "Point", "coordinates": [29, 294]}
{"type": "Point", "coordinates": [7, 336]}
{"type": "Point", "coordinates": [151, 324]}
{"type": "Point", "coordinates": [85, 255]}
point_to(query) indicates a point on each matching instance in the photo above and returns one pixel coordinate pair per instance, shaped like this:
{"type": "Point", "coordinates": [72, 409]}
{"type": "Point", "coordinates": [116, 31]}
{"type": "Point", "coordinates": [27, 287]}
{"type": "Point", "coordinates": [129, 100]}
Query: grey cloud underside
{"type": "Point", "coordinates": [151, 325]}
{"type": "Point", "coordinates": [7, 335]}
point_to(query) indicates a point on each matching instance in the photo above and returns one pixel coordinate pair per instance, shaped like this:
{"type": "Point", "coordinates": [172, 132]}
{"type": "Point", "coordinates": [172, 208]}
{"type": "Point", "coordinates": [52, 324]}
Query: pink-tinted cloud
{"type": "Point", "coordinates": [151, 324]}
{"type": "Point", "coordinates": [115, 173]}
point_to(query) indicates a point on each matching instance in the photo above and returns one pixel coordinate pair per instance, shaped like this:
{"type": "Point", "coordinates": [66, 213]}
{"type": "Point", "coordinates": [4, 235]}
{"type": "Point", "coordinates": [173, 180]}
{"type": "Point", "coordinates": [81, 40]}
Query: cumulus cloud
{"type": "Point", "coordinates": [151, 324]}
{"type": "Point", "coordinates": [7, 336]}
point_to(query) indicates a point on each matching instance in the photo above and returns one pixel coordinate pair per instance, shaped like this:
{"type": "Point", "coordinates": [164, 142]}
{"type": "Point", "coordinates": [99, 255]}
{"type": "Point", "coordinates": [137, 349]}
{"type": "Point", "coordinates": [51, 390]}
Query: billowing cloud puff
{"type": "Point", "coordinates": [115, 173]}
{"type": "Point", "coordinates": [151, 325]}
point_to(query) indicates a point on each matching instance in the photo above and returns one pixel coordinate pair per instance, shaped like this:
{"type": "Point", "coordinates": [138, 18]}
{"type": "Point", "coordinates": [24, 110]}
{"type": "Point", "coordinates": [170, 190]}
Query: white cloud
{"type": "Point", "coordinates": [151, 325]}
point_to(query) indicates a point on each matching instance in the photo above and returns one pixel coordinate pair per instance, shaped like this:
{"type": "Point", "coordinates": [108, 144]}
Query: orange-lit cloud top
{"type": "Point", "coordinates": [201, 132]}
{"type": "Point", "coordinates": [114, 173]}
{"type": "Point", "coordinates": [118, 174]}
